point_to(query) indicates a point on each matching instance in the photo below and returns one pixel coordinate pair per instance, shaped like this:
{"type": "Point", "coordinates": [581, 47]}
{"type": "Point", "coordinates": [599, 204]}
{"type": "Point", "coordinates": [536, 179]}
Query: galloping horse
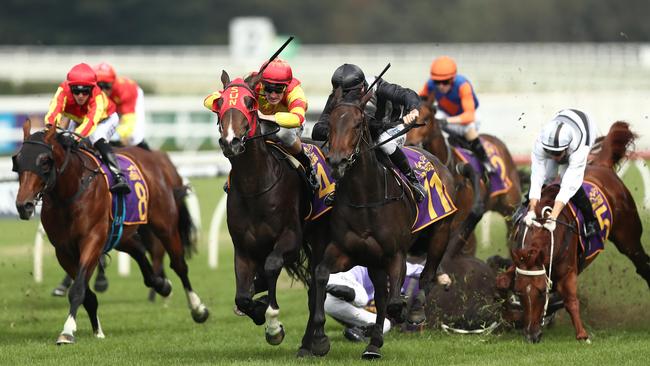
{"type": "Point", "coordinates": [505, 202]}
{"type": "Point", "coordinates": [372, 222]}
{"type": "Point", "coordinates": [546, 260]}
{"type": "Point", "coordinates": [267, 204]}
{"type": "Point", "coordinates": [76, 215]}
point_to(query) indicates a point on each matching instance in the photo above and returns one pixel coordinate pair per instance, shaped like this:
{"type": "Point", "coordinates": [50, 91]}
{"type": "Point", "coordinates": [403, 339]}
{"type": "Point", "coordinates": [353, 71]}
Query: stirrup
{"type": "Point", "coordinates": [418, 191]}
{"type": "Point", "coordinates": [329, 199]}
{"type": "Point", "coordinates": [591, 229]}
{"type": "Point", "coordinates": [120, 186]}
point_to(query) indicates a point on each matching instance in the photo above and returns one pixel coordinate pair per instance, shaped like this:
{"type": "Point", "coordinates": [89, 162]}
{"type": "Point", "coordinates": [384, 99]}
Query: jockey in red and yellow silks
{"type": "Point", "coordinates": [129, 99]}
{"type": "Point", "coordinates": [457, 105]}
{"type": "Point", "coordinates": [90, 113]}
{"type": "Point", "coordinates": [282, 100]}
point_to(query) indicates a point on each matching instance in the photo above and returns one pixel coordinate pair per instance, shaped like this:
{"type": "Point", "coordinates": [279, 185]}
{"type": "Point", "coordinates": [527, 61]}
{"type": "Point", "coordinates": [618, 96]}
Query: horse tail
{"type": "Point", "coordinates": [300, 269]}
{"type": "Point", "coordinates": [185, 224]}
{"type": "Point", "coordinates": [615, 146]}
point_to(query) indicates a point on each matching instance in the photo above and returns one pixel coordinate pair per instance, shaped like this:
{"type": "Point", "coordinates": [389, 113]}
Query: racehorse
{"type": "Point", "coordinates": [545, 261]}
{"type": "Point", "coordinates": [371, 223]}
{"type": "Point", "coordinates": [267, 204]}
{"type": "Point", "coordinates": [430, 137]}
{"type": "Point", "coordinates": [76, 216]}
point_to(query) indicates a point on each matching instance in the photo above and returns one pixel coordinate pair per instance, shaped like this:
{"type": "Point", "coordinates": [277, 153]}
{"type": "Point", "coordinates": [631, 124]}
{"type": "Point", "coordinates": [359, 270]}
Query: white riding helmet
{"type": "Point", "coordinates": [556, 136]}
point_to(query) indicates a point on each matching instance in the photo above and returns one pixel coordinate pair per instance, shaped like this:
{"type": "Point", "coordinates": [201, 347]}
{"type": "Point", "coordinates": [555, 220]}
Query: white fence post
{"type": "Point", "coordinates": [215, 228]}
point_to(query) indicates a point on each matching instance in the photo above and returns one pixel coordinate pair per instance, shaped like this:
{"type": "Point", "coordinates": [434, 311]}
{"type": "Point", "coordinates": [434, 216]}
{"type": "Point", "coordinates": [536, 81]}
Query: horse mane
{"type": "Point", "coordinates": [616, 146]}
{"type": "Point", "coordinates": [548, 196]}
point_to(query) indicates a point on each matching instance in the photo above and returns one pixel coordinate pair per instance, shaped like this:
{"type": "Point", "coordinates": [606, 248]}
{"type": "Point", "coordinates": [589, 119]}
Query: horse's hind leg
{"type": "Point", "coordinates": [90, 304]}
{"type": "Point", "coordinates": [136, 250]}
{"type": "Point", "coordinates": [379, 280]}
{"type": "Point", "coordinates": [170, 238]}
{"type": "Point", "coordinates": [628, 242]}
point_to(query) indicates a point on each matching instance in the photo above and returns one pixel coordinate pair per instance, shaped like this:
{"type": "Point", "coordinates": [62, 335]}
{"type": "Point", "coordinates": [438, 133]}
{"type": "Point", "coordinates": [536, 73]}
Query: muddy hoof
{"type": "Point", "coordinates": [101, 284]}
{"type": "Point", "coordinates": [320, 346]}
{"type": "Point", "coordinates": [65, 339]}
{"type": "Point", "coordinates": [275, 340]}
{"type": "Point", "coordinates": [201, 315]}
{"type": "Point", "coordinates": [371, 353]}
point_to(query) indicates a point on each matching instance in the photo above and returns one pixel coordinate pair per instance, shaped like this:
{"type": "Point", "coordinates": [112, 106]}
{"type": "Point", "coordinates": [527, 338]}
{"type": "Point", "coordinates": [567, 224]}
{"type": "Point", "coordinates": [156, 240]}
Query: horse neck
{"type": "Point", "coordinates": [438, 145]}
{"type": "Point", "coordinates": [68, 181]}
{"type": "Point", "coordinates": [364, 180]}
{"type": "Point", "coordinates": [254, 169]}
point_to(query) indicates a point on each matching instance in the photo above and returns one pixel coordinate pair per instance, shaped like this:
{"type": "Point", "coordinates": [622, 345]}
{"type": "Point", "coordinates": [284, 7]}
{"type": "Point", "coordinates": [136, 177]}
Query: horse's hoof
{"type": "Point", "coordinates": [303, 353]}
{"type": "Point", "coordinates": [371, 353]}
{"type": "Point", "coordinates": [397, 311]}
{"type": "Point", "coordinates": [65, 339]}
{"type": "Point", "coordinates": [59, 291]}
{"type": "Point", "coordinates": [165, 289]}
{"type": "Point", "coordinates": [588, 341]}
{"type": "Point", "coordinates": [275, 340]}
{"type": "Point", "coordinates": [320, 346]}
{"type": "Point", "coordinates": [152, 296]}
{"type": "Point", "coordinates": [101, 284]}
{"type": "Point", "coordinates": [200, 315]}
{"type": "Point", "coordinates": [238, 312]}
{"type": "Point", "coordinates": [444, 280]}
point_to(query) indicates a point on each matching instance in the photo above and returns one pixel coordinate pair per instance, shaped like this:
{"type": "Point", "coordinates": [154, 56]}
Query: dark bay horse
{"type": "Point", "coordinates": [268, 202]}
{"type": "Point", "coordinates": [539, 251]}
{"type": "Point", "coordinates": [371, 223]}
{"type": "Point", "coordinates": [430, 137]}
{"type": "Point", "coordinates": [76, 217]}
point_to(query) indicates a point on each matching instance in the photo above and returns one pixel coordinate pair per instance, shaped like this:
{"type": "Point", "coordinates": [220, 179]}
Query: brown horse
{"type": "Point", "coordinates": [540, 251]}
{"type": "Point", "coordinates": [268, 202]}
{"type": "Point", "coordinates": [76, 217]}
{"type": "Point", "coordinates": [371, 223]}
{"type": "Point", "coordinates": [430, 137]}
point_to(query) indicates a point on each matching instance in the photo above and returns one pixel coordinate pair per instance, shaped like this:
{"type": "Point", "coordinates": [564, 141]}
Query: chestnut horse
{"type": "Point", "coordinates": [430, 137]}
{"type": "Point", "coordinates": [268, 202]}
{"type": "Point", "coordinates": [76, 217]}
{"type": "Point", "coordinates": [371, 224]}
{"type": "Point", "coordinates": [545, 261]}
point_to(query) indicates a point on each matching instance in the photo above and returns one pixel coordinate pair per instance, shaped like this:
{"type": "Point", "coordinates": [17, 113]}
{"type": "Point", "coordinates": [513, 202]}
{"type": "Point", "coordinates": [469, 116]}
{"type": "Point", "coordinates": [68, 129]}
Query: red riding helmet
{"type": "Point", "coordinates": [81, 74]}
{"type": "Point", "coordinates": [443, 68]}
{"type": "Point", "coordinates": [105, 73]}
{"type": "Point", "coordinates": [277, 72]}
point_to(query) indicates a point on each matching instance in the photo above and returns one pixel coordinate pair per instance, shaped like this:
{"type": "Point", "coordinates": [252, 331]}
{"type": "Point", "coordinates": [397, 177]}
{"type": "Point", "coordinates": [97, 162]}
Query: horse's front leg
{"type": "Point", "coordinates": [287, 249]}
{"type": "Point", "coordinates": [81, 272]}
{"type": "Point", "coordinates": [379, 281]}
{"type": "Point", "coordinates": [245, 270]}
{"type": "Point", "coordinates": [568, 288]}
{"type": "Point", "coordinates": [396, 308]}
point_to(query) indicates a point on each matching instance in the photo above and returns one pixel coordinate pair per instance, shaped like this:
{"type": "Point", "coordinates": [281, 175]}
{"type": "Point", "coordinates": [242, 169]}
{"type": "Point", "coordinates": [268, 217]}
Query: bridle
{"type": "Point", "coordinates": [356, 152]}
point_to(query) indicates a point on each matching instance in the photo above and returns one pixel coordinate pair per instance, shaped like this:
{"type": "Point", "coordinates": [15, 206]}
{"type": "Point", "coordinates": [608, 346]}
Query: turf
{"type": "Point", "coordinates": [614, 303]}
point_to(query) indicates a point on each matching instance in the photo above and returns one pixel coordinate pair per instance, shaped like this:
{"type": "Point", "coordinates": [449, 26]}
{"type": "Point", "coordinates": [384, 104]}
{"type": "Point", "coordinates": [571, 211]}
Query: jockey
{"type": "Point", "coordinates": [80, 105]}
{"type": "Point", "coordinates": [282, 100]}
{"type": "Point", "coordinates": [564, 144]}
{"type": "Point", "coordinates": [457, 105]}
{"type": "Point", "coordinates": [388, 103]}
{"type": "Point", "coordinates": [129, 99]}
{"type": "Point", "coordinates": [348, 295]}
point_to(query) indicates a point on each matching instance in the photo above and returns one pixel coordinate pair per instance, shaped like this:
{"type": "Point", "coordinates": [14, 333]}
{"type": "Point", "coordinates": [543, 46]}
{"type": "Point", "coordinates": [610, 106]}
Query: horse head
{"type": "Point", "coordinates": [421, 136]}
{"type": "Point", "coordinates": [237, 113]}
{"type": "Point", "coordinates": [35, 165]}
{"type": "Point", "coordinates": [347, 126]}
{"type": "Point", "coordinates": [530, 286]}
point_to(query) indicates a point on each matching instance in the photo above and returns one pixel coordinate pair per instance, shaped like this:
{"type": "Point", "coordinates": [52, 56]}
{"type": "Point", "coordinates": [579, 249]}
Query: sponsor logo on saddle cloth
{"type": "Point", "coordinates": [327, 184]}
{"type": "Point", "coordinates": [137, 200]}
{"type": "Point", "coordinates": [437, 205]}
{"type": "Point", "coordinates": [603, 212]}
{"type": "Point", "coordinates": [499, 181]}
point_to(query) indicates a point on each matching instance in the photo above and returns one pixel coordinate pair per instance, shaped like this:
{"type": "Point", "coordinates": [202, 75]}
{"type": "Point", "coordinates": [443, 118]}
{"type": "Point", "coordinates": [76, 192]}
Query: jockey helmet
{"type": "Point", "coordinates": [348, 77]}
{"type": "Point", "coordinates": [81, 74]}
{"type": "Point", "coordinates": [443, 68]}
{"type": "Point", "coordinates": [277, 72]}
{"type": "Point", "coordinates": [105, 73]}
{"type": "Point", "coordinates": [556, 137]}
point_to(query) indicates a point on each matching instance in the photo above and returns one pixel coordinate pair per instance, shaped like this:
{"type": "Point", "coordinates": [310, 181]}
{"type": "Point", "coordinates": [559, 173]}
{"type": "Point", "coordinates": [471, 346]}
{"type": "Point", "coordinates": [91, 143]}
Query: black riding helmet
{"type": "Point", "coordinates": [348, 77]}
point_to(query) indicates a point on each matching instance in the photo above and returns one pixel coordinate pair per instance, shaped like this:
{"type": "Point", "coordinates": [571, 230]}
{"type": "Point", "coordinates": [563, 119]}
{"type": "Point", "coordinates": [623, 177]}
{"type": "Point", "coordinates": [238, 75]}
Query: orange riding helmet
{"type": "Point", "coordinates": [81, 74]}
{"type": "Point", "coordinates": [278, 72]}
{"type": "Point", "coordinates": [443, 68]}
{"type": "Point", "coordinates": [105, 73]}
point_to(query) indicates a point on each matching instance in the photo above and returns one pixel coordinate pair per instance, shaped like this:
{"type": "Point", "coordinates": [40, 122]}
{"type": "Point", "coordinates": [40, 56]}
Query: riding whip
{"type": "Point", "coordinates": [377, 78]}
{"type": "Point", "coordinates": [276, 54]}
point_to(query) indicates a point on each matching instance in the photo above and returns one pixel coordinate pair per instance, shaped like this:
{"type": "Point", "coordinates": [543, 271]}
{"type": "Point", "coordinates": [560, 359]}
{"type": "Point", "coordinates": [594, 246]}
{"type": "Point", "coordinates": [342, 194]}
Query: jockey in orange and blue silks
{"type": "Point", "coordinates": [129, 99]}
{"type": "Point", "coordinates": [282, 100]}
{"type": "Point", "coordinates": [457, 104]}
{"type": "Point", "coordinates": [80, 105]}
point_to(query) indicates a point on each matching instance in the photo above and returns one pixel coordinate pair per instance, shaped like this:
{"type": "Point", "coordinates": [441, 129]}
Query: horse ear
{"type": "Point", "coordinates": [338, 94]}
{"type": "Point", "coordinates": [225, 78]}
{"type": "Point", "coordinates": [252, 80]}
{"type": "Point", "coordinates": [50, 133]}
{"type": "Point", "coordinates": [366, 98]}
{"type": "Point", "coordinates": [250, 102]}
{"type": "Point", "coordinates": [27, 128]}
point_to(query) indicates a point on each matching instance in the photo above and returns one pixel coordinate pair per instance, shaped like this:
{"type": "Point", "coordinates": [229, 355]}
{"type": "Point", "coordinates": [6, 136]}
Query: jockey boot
{"type": "Point", "coordinates": [401, 162]}
{"type": "Point", "coordinates": [309, 170]}
{"type": "Point", "coordinates": [479, 151]}
{"type": "Point", "coordinates": [120, 186]}
{"type": "Point", "coordinates": [581, 200]}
